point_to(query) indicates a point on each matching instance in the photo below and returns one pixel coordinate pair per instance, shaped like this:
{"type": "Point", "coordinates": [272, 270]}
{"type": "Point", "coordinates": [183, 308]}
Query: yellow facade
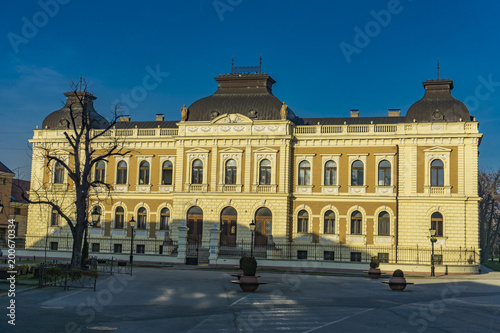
{"type": "Point", "coordinates": [409, 199]}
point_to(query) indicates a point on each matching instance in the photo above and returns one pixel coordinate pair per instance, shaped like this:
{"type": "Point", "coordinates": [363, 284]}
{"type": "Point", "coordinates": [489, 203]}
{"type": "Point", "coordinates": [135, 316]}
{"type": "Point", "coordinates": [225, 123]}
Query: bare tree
{"type": "Point", "coordinates": [489, 210]}
{"type": "Point", "coordinates": [83, 128]}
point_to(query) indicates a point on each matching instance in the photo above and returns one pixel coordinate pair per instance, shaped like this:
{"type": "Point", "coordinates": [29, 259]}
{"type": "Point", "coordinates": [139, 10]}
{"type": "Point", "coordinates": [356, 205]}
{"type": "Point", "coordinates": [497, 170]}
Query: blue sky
{"type": "Point", "coordinates": [322, 64]}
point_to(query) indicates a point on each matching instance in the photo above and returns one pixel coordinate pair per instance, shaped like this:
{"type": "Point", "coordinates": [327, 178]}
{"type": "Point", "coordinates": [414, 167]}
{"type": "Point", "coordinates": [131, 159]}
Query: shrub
{"type": "Point", "coordinates": [93, 273]}
{"type": "Point", "coordinates": [398, 273]}
{"type": "Point", "coordinates": [374, 263]}
{"type": "Point", "coordinates": [75, 274]}
{"type": "Point", "coordinates": [54, 271]}
{"type": "Point", "coordinates": [248, 265]}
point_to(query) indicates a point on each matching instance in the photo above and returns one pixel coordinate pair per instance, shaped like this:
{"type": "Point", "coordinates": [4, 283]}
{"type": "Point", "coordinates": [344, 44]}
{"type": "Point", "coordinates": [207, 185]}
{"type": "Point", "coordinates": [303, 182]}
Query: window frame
{"type": "Point", "coordinates": [142, 218]}
{"type": "Point", "coordinates": [100, 172]}
{"type": "Point", "coordinates": [356, 223]}
{"type": "Point", "coordinates": [332, 172]}
{"type": "Point", "coordinates": [304, 173]}
{"type": "Point", "coordinates": [386, 171]}
{"type": "Point", "coordinates": [165, 219]}
{"type": "Point", "coordinates": [230, 172]}
{"type": "Point", "coordinates": [197, 172]}
{"type": "Point", "coordinates": [358, 170]}
{"type": "Point", "coordinates": [329, 223]}
{"type": "Point", "coordinates": [438, 224]}
{"type": "Point", "coordinates": [58, 173]}
{"type": "Point", "coordinates": [121, 173]}
{"type": "Point", "coordinates": [384, 222]}
{"type": "Point", "coordinates": [144, 172]}
{"type": "Point", "coordinates": [165, 171]}
{"type": "Point", "coordinates": [266, 171]}
{"type": "Point", "coordinates": [302, 222]}
{"type": "Point", "coordinates": [438, 172]}
{"type": "Point", "coordinates": [117, 219]}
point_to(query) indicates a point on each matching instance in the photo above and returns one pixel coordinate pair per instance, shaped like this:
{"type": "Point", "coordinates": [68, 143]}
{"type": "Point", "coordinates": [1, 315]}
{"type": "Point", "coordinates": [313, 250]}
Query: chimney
{"type": "Point", "coordinates": [125, 117]}
{"type": "Point", "coordinates": [354, 113]}
{"type": "Point", "coordinates": [394, 112]}
{"type": "Point", "coordinates": [159, 117]}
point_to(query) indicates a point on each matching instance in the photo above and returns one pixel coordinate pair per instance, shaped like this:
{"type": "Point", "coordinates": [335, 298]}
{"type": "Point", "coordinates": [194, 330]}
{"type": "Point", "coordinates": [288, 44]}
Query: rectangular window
{"type": "Point", "coordinates": [54, 246]}
{"type": "Point", "coordinates": [161, 249]}
{"type": "Point", "coordinates": [96, 247]}
{"type": "Point", "coordinates": [302, 225]}
{"type": "Point", "coordinates": [301, 254]}
{"type": "Point", "coordinates": [117, 248]}
{"type": "Point", "coordinates": [383, 258]}
{"type": "Point", "coordinates": [2, 181]}
{"type": "Point", "coordinates": [438, 259]}
{"type": "Point", "coordinates": [329, 255]}
{"type": "Point", "coordinates": [140, 248]}
{"type": "Point", "coordinates": [356, 256]}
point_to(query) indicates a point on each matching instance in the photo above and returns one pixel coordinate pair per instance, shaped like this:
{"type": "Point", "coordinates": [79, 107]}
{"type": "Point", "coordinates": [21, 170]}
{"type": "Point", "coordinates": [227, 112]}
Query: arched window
{"type": "Point", "coordinates": [304, 173]}
{"type": "Point", "coordinates": [437, 223]}
{"type": "Point", "coordinates": [357, 173]}
{"type": "Point", "coordinates": [330, 173]}
{"type": "Point", "coordinates": [58, 173]}
{"type": "Point", "coordinates": [121, 173]}
{"type": "Point", "coordinates": [100, 169]}
{"type": "Point", "coordinates": [165, 219]}
{"type": "Point", "coordinates": [265, 172]}
{"type": "Point", "coordinates": [197, 172]}
{"type": "Point", "coordinates": [329, 227]}
{"type": "Point", "coordinates": [166, 173]}
{"type": "Point", "coordinates": [230, 172]}
{"type": "Point", "coordinates": [303, 221]}
{"type": "Point", "coordinates": [141, 218]}
{"type": "Point", "coordinates": [55, 218]}
{"type": "Point", "coordinates": [228, 221]}
{"type": "Point", "coordinates": [356, 223]}
{"type": "Point", "coordinates": [144, 173]}
{"type": "Point", "coordinates": [384, 173]}
{"type": "Point", "coordinates": [98, 223]}
{"type": "Point", "coordinates": [119, 217]}
{"type": "Point", "coordinates": [384, 224]}
{"type": "Point", "coordinates": [437, 173]}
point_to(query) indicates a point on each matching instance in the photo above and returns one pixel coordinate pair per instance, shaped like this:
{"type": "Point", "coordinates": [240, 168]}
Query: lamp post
{"type": "Point", "coordinates": [132, 224]}
{"type": "Point", "coordinates": [252, 228]}
{"type": "Point", "coordinates": [433, 240]}
{"type": "Point", "coordinates": [95, 217]}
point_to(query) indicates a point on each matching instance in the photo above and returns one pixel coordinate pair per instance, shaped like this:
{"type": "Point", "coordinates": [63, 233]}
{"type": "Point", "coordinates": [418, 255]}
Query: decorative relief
{"type": "Point", "coordinates": [141, 233]}
{"type": "Point", "coordinates": [166, 188]}
{"type": "Point", "coordinates": [197, 156]}
{"type": "Point", "coordinates": [232, 128]}
{"type": "Point", "coordinates": [118, 232]}
{"type": "Point", "coordinates": [232, 118]}
{"type": "Point", "coordinates": [384, 189]}
{"type": "Point", "coordinates": [234, 156]}
{"type": "Point", "coordinates": [383, 239]}
{"type": "Point", "coordinates": [144, 188]}
{"type": "Point", "coordinates": [303, 189]}
{"type": "Point", "coordinates": [267, 156]}
{"type": "Point", "coordinates": [121, 188]}
{"type": "Point", "coordinates": [443, 157]}
{"type": "Point", "coordinates": [93, 231]}
{"type": "Point", "coordinates": [357, 189]}
{"type": "Point", "coordinates": [329, 239]}
{"type": "Point", "coordinates": [356, 239]}
{"type": "Point", "coordinates": [306, 238]}
{"type": "Point", "coordinates": [330, 189]}
{"type": "Point", "coordinates": [269, 128]}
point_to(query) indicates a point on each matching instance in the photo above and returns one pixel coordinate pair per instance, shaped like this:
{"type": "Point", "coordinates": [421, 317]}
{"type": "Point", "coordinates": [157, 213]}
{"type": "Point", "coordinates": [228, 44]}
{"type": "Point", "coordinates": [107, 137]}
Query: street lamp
{"type": "Point", "coordinates": [95, 217]}
{"type": "Point", "coordinates": [252, 228]}
{"type": "Point", "coordinates": [132, 225]}
{"type": "Point", "coordinates": [433, 239]}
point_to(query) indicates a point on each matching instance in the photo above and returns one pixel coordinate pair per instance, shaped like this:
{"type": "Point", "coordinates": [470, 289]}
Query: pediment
{"type": "Point", "coordinates": [198, 151]}
{"type": "Point", "coordinates": [266, 150]}
{"type": "Point", "coordinates": [437, 150]}
{"type": "Point", "coordinates": [231, 118]}
{"type": "Point", "coordinates": [232, 150]}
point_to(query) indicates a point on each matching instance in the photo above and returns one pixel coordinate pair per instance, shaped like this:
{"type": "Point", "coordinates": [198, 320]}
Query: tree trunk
{"type": "Point", "coordinates": [76, 258]}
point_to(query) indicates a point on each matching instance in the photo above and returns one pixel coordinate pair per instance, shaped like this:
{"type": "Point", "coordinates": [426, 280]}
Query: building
{"type": "Point", "coordinates": [324, 189]}
{"type": "Point", "coordinates": [14, 207]}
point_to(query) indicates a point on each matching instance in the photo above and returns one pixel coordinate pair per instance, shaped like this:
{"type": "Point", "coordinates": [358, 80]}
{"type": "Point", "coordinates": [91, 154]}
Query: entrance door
{"type": "Point", "coordinates": [228, 227]}
{"type": "Point", "coordinates": [195, 225]}
{"type": "Point", "coordinates": [263, 222]}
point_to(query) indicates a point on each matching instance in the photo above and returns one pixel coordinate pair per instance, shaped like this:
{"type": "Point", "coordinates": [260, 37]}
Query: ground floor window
{"type": "Point", "coordinates": [161, 249]}
{"type": "Point", "coordinates": [356, 256]}
{"type": "Point", "coordinates": [54, 246]}
{"type": "Point", "coordinates": [329, 255]}
{"type": "Point", "coordinates": [383, 258]}
{"type": "Point", "coordinates": [438, 259]}
{"type": "Point", "coordinates": [140, 248]}
{"type": "Point", "coordinates": [117, 248]}
{"type": "Point", "coordinates": [301, 254]}
{"type": "Point", "coordinates": [96, 247]}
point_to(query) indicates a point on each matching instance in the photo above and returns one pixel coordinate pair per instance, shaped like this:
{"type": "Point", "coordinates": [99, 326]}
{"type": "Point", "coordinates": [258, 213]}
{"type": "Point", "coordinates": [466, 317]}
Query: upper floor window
{"type": "Point", "coordinates": [165, 219]}
{"type": "Point", "coordinates": [58, 173]}
{"type": "Point", "coordinates": [356, 223]}
{"type": "Point", "coordinates": [304, 173]}
{"type": "Point", "coordinates": [437, 173]}
{"type": "Point", "coordinates": [141, 218]}
{"type": "Point", "coordinates": [55, 218]}
{"type": "Point", "coordinates": [230, 172]}
{"type": "Point", "coordinates": [121, 173]}
{"type": "Point", "coordinates": [384, 223]}
{"type": "Point", "coordinates": [330, 173]}
{"type": "Point", "coordinates": [384, 173]}
{"type": "Point", "coordinates": [144, 173]}
{"type": "Point", "coordinates": [119, 217]}
{"type": "Point", "coordinates": [357, 169]}
{"type": "Point", "coordinates": [437, 223]}
{"type": "Point", "coordinates": [265, 172]}
{"type": "Point", "coordinates": [166, 173]}
{"type": "Point", "coordinates": [302, 221]}
{"type": "Point", "coordinates": [329, 227]}
{"type": "Point", "coordinates": [100, 169]}
{"type": "Point", "coordinates": [197, 172]}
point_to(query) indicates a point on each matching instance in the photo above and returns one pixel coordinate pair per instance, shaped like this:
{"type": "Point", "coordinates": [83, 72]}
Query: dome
{"type": "Point", "coordinates": [247, 94]}
{"type": "Point", "coordinates": [438, 105]}
{"type": "Point", "coordinates": [61, 119]}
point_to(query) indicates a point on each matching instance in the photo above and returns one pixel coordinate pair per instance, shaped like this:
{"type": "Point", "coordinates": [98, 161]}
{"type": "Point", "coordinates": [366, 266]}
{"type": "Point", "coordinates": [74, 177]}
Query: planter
{"type": "Point", "coordinates": [249, 283]}
{"type": "Point", "coordinates": [374, 273]}
{"type": "Point", "coordinates": [397, 283]}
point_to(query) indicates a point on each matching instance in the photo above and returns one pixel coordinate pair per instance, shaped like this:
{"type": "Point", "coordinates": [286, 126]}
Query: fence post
{"type": "Point", "coordinates": [181, 252]}
{"type": "Point", "coordinates": [214, 245]}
